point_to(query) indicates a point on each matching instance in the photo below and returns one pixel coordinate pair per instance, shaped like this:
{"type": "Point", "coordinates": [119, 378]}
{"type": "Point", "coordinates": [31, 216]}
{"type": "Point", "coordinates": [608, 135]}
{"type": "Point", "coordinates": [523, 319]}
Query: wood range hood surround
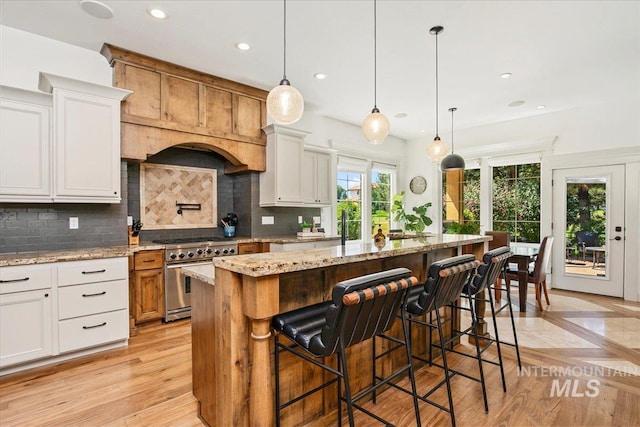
{"type": "Point", "coordinates": [176, 106]}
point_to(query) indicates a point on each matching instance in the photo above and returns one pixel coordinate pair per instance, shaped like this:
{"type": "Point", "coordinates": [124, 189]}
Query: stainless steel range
{"type": "Point", "coordinates": [185, 252]}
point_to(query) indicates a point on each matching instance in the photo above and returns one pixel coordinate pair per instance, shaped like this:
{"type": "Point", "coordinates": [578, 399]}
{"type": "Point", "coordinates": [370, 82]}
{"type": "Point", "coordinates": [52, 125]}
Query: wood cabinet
{"type": "Point", "coordinates": [25, 146]}
{"type": "Point", "coordinates": [26, 322]}
{"type": "Point", "coordinates": [86, 139]}
{"type": "Point", "coordinates": [252, 248]}
{"type": "Point", "coordinates": [316, 178]}
{"type": "Point", "coordinates": [147, 286]}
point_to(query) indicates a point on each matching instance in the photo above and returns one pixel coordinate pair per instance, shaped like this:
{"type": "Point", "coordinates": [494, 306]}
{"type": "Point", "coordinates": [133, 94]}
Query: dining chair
{"type": "Point", "coordinates": [538, 275]}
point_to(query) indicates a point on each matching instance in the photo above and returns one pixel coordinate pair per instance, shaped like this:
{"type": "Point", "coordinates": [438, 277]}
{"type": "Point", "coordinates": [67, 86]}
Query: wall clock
{"type": "Point", "coordinates": [418, 184]}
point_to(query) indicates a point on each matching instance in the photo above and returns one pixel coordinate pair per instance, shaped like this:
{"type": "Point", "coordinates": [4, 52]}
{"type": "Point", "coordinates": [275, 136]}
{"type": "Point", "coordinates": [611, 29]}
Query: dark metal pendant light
{"type": "Point", "coordinates": [452, 162]}
{"type": "Point", "coordinates": [437, 149]}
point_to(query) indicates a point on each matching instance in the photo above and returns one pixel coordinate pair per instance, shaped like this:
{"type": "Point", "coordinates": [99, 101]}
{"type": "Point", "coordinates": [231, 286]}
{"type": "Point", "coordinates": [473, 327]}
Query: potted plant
{"type": "Point", "coordinates": [306, 227]}
{"type": "Point", "coordinates": [416, 221]}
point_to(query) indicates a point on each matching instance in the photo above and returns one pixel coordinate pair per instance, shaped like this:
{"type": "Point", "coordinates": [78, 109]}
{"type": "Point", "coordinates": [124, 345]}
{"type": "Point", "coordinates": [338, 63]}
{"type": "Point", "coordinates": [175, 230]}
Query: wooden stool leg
{"type": "Point", "coordinates": [544, 288]}
{"type": "Point", "coordinates": [498, 291]}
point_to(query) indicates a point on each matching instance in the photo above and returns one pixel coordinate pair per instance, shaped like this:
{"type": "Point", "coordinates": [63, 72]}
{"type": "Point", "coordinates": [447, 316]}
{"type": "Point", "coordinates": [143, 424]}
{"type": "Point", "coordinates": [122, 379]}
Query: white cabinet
{"type": "Point", "coordinates": [316, 178]}
{"type": "Point", "coordinates": [86, 139]}
{"type": "Point", "coordinates": [26, 321]}
{"type": "Point", "coordinates": [280, 183]}
{"type": "Point", "coordinates": [49, 311]}
{"type": "Point", "coordinates": [93, 307]}
{"type": "Point", "coordinates": [295, 176]}
{"type": "Point", "coordinates": [25, 146]}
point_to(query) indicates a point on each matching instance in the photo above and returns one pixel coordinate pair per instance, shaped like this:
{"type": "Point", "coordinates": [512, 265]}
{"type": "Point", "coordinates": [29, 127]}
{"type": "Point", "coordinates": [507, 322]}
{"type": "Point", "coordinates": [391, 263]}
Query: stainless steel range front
{"type": "Point", "coordinates": [181, 253]}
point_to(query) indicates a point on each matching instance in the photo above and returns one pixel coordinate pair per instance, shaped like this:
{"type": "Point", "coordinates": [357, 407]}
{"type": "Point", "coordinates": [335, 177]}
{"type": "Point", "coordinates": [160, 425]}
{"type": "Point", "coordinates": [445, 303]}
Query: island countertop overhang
{"type": "Point", "coordinates": [270, 263]}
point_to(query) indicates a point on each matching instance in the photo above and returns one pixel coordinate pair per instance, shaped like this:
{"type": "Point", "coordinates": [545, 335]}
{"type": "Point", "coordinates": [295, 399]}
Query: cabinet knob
{"type": "Point", "coordinates": [46, 295]}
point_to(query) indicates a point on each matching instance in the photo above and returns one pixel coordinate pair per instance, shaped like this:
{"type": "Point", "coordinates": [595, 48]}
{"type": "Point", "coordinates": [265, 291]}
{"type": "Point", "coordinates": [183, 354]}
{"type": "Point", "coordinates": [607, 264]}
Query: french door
{"type": "Point", "coordinates": [588, 226]}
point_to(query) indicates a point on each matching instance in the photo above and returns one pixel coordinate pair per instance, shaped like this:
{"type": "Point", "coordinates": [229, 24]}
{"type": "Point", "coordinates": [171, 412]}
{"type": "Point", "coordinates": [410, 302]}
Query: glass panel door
{"type": "Point", "coordinates": [588, 226]}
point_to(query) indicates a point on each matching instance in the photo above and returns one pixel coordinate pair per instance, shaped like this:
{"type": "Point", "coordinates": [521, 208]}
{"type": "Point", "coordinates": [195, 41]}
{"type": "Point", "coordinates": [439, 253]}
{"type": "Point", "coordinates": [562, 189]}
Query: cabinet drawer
{"type": "Point", "coordinates": [25, 278]}
{"type": "Point", "coordinates": [147, 260]}
{"type": "Point", "coordinates": [89, 331]}
{"type": "Point", "coordinates": [99, 270]}
{"type": "Point", "coordinates": [92, 298]}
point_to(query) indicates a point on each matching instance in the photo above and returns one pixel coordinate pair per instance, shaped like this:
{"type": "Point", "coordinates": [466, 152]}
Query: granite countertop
{"type": "Point", "coordinates": [27, 258]}
{"type": "Point", "coordinates": [265, 264]}
{"type": "Point", "coordinates": [203, 272]}
{"type": "Point", "coordinates": [284, 239]}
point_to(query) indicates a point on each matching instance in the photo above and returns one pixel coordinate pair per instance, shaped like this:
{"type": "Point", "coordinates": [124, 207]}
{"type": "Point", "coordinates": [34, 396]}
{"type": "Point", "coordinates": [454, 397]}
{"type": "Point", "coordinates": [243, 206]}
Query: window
{"type": "Point", "coordinates": [380, 201]}
{"type": "Point", "coordinates": [350, 201]}
{"type": "Point", "coordinates": [461, 200]}
{"type": "Point", "coordinates": [516, 201]}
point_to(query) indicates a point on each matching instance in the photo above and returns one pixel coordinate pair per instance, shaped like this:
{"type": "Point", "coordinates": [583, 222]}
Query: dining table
{"type": "Point", "coordinates": [523, 255]}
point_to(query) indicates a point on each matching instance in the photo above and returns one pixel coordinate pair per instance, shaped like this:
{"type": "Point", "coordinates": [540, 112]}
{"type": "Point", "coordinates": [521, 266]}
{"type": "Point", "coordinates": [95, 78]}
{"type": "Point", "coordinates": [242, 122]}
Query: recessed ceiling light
{"type": "Point", "coordinates": [516, 103]}
{"type": "Point", "coordinates": [97, 9]}
{"type": "Point", "coordinates": [400, 115]}
{"type": "Point", "coordinates": [320, 76]}
{"type": "Point", "coordinates": [243, 46]}
{"type": "Point", "coordinates": [157, 13]}
{"type": "Point", "coordinates": [505, 75]}
{"type": "Point", "coordinates": [541, 107]}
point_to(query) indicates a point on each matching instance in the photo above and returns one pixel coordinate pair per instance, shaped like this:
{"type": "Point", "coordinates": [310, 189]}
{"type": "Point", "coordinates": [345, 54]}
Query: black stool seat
{"type": "Point", "coordinates": [359, 309]}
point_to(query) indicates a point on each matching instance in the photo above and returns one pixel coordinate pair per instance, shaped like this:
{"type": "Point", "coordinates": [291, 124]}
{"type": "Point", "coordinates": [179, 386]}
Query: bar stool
{"type": "Point", "coordinates": [494, 263]}
{"type": "Point", "coordinates": [446, 279]}
{"type": "Point", "coordinates": [360, 308]}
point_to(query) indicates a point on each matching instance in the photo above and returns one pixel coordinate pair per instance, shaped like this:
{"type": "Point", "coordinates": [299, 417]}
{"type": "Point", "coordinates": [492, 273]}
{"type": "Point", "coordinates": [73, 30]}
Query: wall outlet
{"type": "Point", "coordinates": [299, 219]}
{"type": "Point", "coordinates": [316, 220]}
{"type": "Point", "coordinates": [267, 220]}
{"type": "Point", "coordinates": [73, 223]}
{"type": "Point", "coordinates": [129, 220]}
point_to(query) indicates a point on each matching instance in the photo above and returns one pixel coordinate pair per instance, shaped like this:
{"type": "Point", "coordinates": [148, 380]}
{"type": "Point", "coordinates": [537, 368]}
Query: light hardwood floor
{"type": "Point", "coordinates": [149, 383]}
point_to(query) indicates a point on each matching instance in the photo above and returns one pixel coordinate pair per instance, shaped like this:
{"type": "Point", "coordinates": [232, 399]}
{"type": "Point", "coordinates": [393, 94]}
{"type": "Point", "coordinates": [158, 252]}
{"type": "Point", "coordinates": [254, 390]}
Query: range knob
{"type": "Point", "coordinates": [209, 251]}
{"type": "Point", "coordinates": [232, 251]}
{"type": "Point", "coordinates": [181, 255]}
{"type": "Point", "coordinates": [190, 254]}
{"type": "Point", "coordinates": [199, 251]}
{"type": "Point", "coordinates": [225, 251]}
{"type": "Point", "coordinates": [173, 256]}
{"type": "Point", "coordinates": [217, 252]}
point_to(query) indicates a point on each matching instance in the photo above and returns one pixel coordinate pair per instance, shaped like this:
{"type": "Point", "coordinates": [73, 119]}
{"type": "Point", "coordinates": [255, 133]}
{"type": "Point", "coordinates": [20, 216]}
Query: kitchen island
{"type": "Point", "coordinates": [232, 308]}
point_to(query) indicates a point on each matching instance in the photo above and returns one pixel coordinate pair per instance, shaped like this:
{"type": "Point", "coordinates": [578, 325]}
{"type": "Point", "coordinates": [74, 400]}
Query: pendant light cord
{"type": "Point", "coordinates": [375, 56]}
{"type": "Point", "coordinates": [284, 74]}
{"type": "Point", "coordinates": [437, 85]}
{"type": "Point", "coordinates": [452, 110]}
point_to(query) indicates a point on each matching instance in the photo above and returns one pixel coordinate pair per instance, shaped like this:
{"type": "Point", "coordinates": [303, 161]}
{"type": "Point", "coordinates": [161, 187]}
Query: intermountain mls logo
{"type": "Point", "coordinates": [570, 381]}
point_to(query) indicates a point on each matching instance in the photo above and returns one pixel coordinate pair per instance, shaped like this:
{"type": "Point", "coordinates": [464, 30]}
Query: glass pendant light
{"type": "Point", "coordinates": [452, 162]}
{"type": "Point", "coordinates": [437, 149]}
{"type": "Point", "coordinates": [284, 103]}
{"type": "Point", "coordinates": [375, 126]}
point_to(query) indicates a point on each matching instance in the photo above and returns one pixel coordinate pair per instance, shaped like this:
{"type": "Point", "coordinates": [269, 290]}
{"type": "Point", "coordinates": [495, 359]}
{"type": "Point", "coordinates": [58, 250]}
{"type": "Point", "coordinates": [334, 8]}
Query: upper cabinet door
{"type": "Point", "coordinates": [25, 147]}
{"type": "Point", "coordinates": [87, 133]}
{"type": "Point", "coordinates": [86, 139]}
{"type": "Point", "coordinates": [323, 179]}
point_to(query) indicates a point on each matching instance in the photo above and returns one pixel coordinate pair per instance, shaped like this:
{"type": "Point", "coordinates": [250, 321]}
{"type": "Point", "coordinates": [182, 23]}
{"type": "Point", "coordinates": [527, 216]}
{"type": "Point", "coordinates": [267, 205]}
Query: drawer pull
{"type": "Point", "coordinates": [15, 280]}
{"type": "Point", "coordinates": [148, 260]}
{"type": "Point", "coordinates": [95, 326]}
{"type": "Point", "coordinates": [95, 271]}
{"type": "Point", "coordinates": [94, 295]}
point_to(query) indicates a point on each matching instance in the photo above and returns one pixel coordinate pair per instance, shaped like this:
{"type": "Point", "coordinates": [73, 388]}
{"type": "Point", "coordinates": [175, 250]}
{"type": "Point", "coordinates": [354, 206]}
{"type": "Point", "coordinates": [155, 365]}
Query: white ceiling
{"type": "Point", "coordinates": [563, 54]}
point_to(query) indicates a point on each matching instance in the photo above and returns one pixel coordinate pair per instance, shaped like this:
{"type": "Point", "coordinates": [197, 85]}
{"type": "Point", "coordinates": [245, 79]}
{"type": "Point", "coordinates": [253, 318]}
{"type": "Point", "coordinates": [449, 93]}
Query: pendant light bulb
{"type": "Point", "coordinates": [285, 104]}
{"type": "Point", "coordinates": [375, 126]}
